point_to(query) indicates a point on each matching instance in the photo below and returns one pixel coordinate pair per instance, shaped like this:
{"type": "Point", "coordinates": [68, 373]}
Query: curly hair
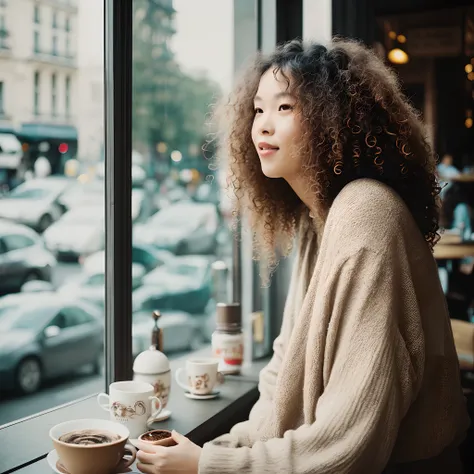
{"type": "Point", "coordinates": [356, 123]}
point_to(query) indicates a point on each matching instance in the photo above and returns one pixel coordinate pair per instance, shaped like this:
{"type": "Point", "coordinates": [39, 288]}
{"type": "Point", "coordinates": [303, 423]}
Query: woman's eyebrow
{"type": "Point", "coordinates": [279, 95]}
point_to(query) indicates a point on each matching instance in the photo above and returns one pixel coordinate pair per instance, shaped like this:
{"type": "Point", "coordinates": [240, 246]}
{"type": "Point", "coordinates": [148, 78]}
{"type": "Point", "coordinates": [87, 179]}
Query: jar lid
{"type": "Point", "coordinates": [151, 361]}
{"type": "Point", "coordinates": [228, 315]}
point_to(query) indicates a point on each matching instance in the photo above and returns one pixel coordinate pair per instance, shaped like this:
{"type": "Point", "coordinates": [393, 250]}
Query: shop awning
{"type": "Point", "coordinates": [39, 131]}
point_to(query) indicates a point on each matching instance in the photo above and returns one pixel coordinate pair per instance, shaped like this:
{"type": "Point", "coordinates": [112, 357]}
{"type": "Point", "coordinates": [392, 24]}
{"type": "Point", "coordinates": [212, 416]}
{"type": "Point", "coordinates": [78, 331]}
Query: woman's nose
{"type": "Point", "coordinates": [267, 126]}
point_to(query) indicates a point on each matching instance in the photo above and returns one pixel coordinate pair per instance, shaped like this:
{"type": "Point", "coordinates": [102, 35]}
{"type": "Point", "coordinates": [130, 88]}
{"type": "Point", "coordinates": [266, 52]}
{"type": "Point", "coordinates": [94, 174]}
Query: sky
{"type": "Point", "coordinates": [204, 38]}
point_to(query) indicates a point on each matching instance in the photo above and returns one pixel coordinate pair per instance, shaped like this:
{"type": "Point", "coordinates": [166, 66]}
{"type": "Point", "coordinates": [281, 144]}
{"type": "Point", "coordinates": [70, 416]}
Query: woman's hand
{"type": "Point", "coordinates": [184, 457]}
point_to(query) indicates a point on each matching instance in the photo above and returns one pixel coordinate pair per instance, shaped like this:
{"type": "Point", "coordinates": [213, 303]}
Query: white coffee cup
{"type": "Point", "coordinates": [202, 376]}
{"type": "Point", "coordinates": [132, 404]}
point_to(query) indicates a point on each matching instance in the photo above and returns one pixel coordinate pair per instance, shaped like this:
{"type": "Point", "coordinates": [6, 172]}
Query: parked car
{"type": "Point", "coordinates": [81, 231]}
{"type": "Point", "coordinates": [90, 283]}
{"type": "Point", "coordinates": [182, 228]}
{"type": "Point", "coordinates": [180, 331]}
{"type": "Point", "coordinates": [183, 284]}
{"type": "Point", "coordinates": [145, 255]}
{"type": "Point", "coordinates": [92, 193]}
{"type": "Point", "coordinates": [44, 335]}
{"type": "Point", "coordinates": [35, 202]}
{"type": "Point", "coordinates": [23, 257]}
{"type": "Point", "coordinates": [82, 194]}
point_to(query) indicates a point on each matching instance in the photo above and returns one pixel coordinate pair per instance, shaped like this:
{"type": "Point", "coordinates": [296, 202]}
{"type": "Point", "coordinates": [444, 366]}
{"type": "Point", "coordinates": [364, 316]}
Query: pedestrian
{"type": "Point", "coordinates": [323, 147]}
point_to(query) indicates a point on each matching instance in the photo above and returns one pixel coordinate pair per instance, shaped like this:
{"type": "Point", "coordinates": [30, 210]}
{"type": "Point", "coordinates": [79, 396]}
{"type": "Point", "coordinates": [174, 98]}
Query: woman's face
{"type": "Point", "coordinates": [276, 129]}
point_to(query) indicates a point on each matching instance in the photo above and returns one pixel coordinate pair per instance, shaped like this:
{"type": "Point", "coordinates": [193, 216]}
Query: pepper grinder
{"type": "Point", "coordinates": [152, 366]}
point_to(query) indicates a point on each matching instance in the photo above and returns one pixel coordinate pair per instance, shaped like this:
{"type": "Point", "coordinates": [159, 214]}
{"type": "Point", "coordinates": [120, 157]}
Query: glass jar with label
{"type": "Point", "coordinates": [227, 339]}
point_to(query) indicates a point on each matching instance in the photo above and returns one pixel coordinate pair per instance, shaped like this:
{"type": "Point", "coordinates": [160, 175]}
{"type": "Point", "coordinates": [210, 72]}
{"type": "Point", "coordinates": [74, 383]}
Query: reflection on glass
{"type": "Point", "coordinates": [178, 73]}
{"type": "Point", "coordinates": [52, 206]}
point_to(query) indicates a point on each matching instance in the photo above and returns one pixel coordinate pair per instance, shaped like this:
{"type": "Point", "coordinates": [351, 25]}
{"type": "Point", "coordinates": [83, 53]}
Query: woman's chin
{"type": "Point", "coordinates": [271, 172]}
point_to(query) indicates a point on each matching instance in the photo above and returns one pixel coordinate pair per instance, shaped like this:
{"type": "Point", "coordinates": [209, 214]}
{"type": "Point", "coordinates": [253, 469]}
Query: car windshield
{"type": "Point", "coordinates": [30, 316]}
{"type": "Point", "coordinates": [29, 193]}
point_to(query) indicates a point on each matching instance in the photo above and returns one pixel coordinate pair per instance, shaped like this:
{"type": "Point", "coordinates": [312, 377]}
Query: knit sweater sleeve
{"type": "Point", "coordinates": [370, 376]}
{"type": "Point", "coordinates": [241, 434]}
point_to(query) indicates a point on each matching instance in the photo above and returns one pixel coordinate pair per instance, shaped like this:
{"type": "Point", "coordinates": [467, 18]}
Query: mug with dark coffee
{"type": "Point", "coordinates": [92, 446]}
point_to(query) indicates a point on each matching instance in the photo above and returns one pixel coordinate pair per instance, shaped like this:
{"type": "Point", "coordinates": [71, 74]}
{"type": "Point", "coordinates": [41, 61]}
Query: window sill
{"type": "Point", "coordinates": [25, 444]}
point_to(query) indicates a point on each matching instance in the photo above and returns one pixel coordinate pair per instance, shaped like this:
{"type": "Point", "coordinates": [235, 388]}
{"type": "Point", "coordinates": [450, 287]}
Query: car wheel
{"type": "Point", "coordinates": [44, 222]}
{"type": "Point", "coordinates": [29, 375]}
{"type": "Point", "coordinates": [97, 365]}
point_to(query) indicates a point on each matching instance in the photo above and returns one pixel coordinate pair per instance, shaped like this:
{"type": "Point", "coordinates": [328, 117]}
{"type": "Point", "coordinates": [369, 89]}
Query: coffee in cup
{"type": "Point", "coordinates": [92, 446]}
{"type": "Point", "coordinates": [202, 376]}
{"type": "Point", "coordinates": [89, 437]}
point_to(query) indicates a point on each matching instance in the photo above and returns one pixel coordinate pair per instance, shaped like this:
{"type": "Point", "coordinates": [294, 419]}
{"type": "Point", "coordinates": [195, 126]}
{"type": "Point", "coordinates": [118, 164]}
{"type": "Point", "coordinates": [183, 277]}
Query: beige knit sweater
{"type": "Point", "coordinates": [364, 377]}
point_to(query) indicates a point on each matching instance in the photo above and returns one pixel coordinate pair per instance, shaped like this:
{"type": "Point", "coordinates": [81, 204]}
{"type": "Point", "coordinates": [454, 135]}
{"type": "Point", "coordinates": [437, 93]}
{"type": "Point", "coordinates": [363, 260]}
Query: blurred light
{"type": "Point", "coordinates": [398, 56]}
{"type": "Point", "coordinates": [193, 149]}
{"type": "Point", "coordinates": [63, 148]}
{"type": "Point", "coordinates": [71, 167]}
{"type": "Point", "coordinates": [468, 68]}
{"type": "Point", "coordinates": [186, 176]}
{"type": "Point", "coordinates": [470, 76]}
{"type": "Point", "coordinates": [392, 35]}
{"type": "Point", "coordinates": [161, 147]}
{"type": "Point", "coordinates": [83, 178]}
{"type": "Point", "coordinates": [25, 147]}
{"type": "Point", "coordinates": [176, 156]}
{"type": "Point", "coordinates": [468, 122]}
{"type": "Point", "coordinates": [401, 38]}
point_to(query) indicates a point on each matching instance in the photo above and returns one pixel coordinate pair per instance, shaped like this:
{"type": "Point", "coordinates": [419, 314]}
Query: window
{"type": "Point", "coordinates": [53, 95]}
{"type": "Point", "coordinates": [55, 45]}
{"type": "Point", "coordinates": [2, 108]}
{"type": "Point", "coordinates": [36, 93]}
{"type": "Point", "coordinates": [68, 96]}
{"type": "Point", "coordinates": [17, 242]}
{"type": "Point", "coordinates": [36, 42]}
{"type": "Point", "coordinates": [37, 14]}
{"type": "Point", "coordinates": [174, 84]}
{"type": "Point", "coordinates": [52, 257]}
{"type": "Point", "coordinates": [76, 316]}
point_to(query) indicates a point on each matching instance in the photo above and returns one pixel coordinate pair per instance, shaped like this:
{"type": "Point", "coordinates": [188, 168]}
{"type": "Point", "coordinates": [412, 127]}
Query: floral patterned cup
{"type": "Point", "coordinates": [202, 375]}
{"type": "Point", "coordinates": [132, 404]}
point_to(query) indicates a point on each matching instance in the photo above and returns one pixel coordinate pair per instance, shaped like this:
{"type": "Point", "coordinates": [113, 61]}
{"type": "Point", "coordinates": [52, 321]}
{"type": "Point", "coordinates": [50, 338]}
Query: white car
{"type": "Point", "coordinates": [183, 228]}
{"type": "Point", "coordinates": [89, 285]}
{"type": "Point", "coordinates": [35, 202]}
{"type": "Point", "coordinates": [81, 231]}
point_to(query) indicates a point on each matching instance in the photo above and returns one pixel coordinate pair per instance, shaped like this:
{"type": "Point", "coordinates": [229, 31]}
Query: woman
{"type": "Point", "coordinates": [364, 377]}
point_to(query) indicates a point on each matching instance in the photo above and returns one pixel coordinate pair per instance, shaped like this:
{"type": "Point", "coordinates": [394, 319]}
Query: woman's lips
{"type": "Point", "coordinates": [265, 152]}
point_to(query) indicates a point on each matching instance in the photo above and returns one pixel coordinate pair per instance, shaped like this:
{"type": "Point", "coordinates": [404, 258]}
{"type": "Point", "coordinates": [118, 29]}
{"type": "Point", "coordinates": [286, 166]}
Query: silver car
{"type": "Point", "coordinates": [45, 335]}
{"type": "Point", "coordinates": [23, 257]}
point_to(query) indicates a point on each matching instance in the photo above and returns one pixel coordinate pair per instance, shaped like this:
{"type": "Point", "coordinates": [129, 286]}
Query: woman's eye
{"type": "Point", "coordinates": [258, 110]}
{"type": "Point", "coordinates": [285, 107]}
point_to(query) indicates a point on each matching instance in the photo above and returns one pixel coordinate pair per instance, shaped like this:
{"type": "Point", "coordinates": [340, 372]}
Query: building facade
{"type": "Point", "coordinates": [38, 77]}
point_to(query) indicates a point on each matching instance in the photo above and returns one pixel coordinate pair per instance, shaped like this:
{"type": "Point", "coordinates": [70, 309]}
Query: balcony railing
{"type": "Point", "coordinates": [69, 5]}
{"type": "Point", "coordinates": [55, 57]}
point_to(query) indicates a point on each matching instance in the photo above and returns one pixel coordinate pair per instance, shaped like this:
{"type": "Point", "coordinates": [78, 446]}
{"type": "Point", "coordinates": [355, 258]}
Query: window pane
{"type": "Point", "coordinates": [177, 206]}
{"type": "Point", "coordinates": [51, 205]}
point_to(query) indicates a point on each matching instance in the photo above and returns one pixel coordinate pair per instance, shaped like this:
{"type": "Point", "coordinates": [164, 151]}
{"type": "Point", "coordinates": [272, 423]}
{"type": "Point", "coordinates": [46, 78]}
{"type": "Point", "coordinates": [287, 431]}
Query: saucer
{"type": "Point", "coordinates": [164, 415]}
{"type": "Point", "coordinates": [56, 466]}
{"type": "Point", "coordinates": [209, 396]}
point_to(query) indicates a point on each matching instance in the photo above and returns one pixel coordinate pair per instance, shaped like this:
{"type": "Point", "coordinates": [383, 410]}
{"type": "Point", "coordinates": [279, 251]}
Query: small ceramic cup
{"type": "Point", "coordinates": [132, 404]}
{"type": "Point", "coordinates": [202, 376]}
{"type": "Point", "coordinates": [158, 438]}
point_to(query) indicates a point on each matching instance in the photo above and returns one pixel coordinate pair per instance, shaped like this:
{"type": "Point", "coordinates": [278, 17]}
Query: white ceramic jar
{"type": "Point", "coordinates": [153, 367]}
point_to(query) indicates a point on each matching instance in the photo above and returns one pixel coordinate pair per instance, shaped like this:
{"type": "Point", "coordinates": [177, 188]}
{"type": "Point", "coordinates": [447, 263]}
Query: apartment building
{"type": "Point", "coordinates": [38, 76]}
